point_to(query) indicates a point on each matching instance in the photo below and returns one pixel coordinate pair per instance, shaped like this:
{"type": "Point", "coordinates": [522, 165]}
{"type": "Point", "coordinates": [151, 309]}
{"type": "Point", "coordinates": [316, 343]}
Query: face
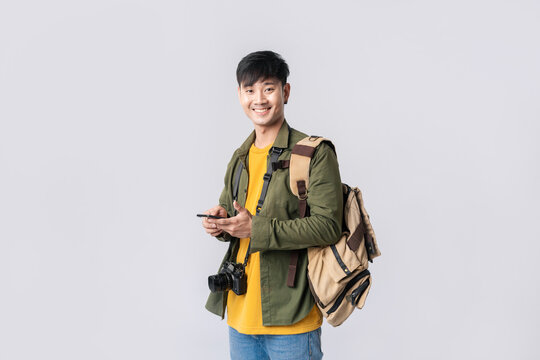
{"type": "Point", "coordinates": [263, 102]}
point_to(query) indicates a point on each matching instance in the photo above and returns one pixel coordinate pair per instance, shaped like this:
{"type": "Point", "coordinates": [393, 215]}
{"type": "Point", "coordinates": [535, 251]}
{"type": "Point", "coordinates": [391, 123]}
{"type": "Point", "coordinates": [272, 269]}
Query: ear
{"type": "Point", "coordinates": [239, 92]}
{"type": "Point", "coordinates": [286, 92]}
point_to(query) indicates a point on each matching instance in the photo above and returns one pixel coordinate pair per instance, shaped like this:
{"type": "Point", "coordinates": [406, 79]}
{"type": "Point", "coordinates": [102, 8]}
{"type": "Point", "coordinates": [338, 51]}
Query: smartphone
{"type": "Point", "coordinates": [210, 216]}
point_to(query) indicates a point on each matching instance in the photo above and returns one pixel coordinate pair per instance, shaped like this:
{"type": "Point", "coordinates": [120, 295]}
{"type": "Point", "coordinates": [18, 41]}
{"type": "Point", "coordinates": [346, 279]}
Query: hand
{"type": "Point", "coordinates": [238, 226]}
{"type": "Point", "coordinates": [209, 227]}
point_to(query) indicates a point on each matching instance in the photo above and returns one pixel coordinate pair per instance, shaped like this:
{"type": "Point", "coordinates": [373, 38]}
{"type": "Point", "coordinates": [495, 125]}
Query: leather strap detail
{"type": "Point", "coordinates": [303, 150]}
{"type": "Point", "coordinates": [302, 189]}
{"type": "Point", "coordinates": [302, 208]}
{"type": "Point", "coordinates": [356, 237]}
{"type": "Point", "coordinates": [292, 268]}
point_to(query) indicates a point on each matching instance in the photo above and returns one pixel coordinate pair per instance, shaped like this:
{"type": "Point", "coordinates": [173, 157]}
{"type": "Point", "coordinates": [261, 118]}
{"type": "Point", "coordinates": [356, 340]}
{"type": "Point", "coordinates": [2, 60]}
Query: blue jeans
{"type": "Point", "coordinates": [275, 347]}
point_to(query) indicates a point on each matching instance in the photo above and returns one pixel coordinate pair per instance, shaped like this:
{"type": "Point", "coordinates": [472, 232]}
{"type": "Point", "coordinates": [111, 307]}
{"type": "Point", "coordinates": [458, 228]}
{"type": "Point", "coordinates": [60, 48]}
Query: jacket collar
{"type": "Point", "coordinates": [282, 140]}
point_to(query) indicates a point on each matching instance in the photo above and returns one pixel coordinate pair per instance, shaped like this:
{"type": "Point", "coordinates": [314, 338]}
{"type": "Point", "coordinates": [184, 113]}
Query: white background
{"type": "Point", "coordinates": [117, 120]}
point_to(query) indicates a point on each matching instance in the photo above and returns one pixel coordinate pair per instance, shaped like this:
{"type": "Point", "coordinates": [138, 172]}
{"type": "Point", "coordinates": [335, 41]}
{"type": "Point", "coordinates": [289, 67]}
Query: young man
{"type": "Point", "coordinates": [273, 319]}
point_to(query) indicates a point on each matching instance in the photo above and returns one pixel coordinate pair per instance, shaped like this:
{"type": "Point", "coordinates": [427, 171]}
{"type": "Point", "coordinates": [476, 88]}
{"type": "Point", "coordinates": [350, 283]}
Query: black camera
{"type": "Point", "coordinates": [232, 276]}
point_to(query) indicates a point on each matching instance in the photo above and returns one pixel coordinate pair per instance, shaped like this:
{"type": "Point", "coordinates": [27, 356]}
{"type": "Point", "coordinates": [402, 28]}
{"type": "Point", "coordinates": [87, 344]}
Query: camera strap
{"type": "Point", "coordinates": [274, 153]}
{"type": "Point", "coordinates": [237, 181]}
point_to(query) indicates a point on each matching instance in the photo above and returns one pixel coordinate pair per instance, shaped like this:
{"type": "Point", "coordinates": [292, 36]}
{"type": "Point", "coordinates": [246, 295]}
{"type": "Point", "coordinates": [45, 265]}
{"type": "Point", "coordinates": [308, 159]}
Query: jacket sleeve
{"type": "Point", "coordinates": [322, 227]}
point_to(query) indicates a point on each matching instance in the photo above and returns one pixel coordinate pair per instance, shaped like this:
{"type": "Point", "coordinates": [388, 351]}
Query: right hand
{"type": "Point", "coordinates": [211, 229]}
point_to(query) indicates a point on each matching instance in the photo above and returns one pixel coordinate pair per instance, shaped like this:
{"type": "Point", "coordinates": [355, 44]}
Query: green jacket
{"type": "Point", "coordinates": [278, 229]}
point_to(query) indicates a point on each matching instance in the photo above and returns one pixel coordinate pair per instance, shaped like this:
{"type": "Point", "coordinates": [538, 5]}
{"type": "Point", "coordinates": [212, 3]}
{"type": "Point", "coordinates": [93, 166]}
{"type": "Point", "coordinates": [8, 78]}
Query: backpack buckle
{"type": "Point", "coordinates": [275, 150]}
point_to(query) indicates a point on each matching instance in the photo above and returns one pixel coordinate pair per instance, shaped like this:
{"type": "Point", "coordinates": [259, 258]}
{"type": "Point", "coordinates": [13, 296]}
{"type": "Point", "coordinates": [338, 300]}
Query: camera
{"type": "Point", "coordinates": [231, 276]}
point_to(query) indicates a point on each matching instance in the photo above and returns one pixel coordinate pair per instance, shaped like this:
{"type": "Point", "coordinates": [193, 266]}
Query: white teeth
{"type": "Point", "coordinates": [261, 110]}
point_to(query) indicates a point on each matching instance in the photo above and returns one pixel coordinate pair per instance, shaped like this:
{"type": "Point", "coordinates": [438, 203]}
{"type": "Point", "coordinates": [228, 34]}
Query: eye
{"type": "Point", "coordinates": [248, 91]}
{"type": "Point", "coordinates": [269, 89]}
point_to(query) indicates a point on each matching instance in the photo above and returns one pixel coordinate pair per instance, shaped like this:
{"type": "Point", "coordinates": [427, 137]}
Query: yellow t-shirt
{"type": "Point", "coordinates": [244, 312]}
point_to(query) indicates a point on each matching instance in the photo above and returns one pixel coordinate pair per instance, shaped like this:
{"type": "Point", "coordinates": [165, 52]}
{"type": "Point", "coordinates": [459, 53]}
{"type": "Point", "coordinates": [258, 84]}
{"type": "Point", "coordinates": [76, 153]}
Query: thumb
{"type": "Point", "coordinates": [237, 206]}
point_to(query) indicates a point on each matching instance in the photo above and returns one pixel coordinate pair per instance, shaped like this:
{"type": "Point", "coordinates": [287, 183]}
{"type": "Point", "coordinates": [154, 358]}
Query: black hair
{"type": "Point", "coordinates": [260, 65]}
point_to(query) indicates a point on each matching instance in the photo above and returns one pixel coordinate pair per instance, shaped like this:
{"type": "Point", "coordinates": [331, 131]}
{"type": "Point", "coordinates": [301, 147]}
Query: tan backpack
{"type": "Point", "coordinates": [338, 274]}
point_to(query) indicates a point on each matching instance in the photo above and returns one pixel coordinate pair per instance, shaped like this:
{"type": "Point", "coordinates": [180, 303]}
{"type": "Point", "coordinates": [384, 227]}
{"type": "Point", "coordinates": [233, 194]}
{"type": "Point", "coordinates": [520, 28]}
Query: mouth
{"type": "Point", "coordinates": [262, 111]}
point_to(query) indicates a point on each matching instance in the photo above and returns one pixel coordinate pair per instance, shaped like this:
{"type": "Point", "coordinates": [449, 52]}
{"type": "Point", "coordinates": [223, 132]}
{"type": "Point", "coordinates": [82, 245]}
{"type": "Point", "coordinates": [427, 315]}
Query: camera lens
{"type": "Point", "coordinates": [219, 282]}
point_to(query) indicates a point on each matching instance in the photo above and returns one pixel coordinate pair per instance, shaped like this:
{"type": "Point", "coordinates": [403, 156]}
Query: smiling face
{"type": "Point", "coordinates": [263, 102]}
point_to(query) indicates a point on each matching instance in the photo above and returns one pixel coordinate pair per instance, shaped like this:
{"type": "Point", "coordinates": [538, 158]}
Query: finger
{"type": "Point", "coordinates": [237, 206]}
{"type": "Point", "coordinates": [214, 211]}
{"type": "Point", "coordinates": [209, 226]}
{"type": "Point", "coordinates": [222, 213]}
{"type": "Point", "coordinates": [225, 227]}
{"type": "Point", "coordinates": [224, 222]}
{"type": "Point", "coordinates": [212, 228]}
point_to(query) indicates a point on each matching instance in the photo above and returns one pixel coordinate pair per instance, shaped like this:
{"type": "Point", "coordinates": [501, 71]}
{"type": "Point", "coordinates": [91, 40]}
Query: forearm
{"type": "Point", "coordinates": [273, 234]}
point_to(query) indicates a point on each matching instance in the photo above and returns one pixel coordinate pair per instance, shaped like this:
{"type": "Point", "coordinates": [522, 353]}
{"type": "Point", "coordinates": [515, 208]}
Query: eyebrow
{"type": "Point", "coordinates": [270, 82]}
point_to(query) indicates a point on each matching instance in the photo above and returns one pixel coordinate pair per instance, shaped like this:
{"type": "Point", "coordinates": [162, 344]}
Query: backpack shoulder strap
{"type": "Point", "coordinates": [301, 156]}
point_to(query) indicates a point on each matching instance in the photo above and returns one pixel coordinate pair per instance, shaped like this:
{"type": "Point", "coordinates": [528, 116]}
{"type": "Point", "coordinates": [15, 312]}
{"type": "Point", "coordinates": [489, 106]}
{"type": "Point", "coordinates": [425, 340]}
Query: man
{"type": "Point", "coordinates": [272, 319]}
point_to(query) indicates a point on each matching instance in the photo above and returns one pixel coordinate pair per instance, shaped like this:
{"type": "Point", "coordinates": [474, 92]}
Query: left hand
{"type": "Point", "coordinates": [238, 226]}
{"type": "Point", "coordinates": [208, 226]}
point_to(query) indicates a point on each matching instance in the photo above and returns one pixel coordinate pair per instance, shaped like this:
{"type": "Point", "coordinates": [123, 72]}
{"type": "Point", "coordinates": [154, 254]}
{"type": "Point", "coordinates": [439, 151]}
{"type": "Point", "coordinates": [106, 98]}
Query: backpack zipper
{"type": "Point", "coordinates": [349, 285]}
{"type": "Point", "coordinates": [340, 260]}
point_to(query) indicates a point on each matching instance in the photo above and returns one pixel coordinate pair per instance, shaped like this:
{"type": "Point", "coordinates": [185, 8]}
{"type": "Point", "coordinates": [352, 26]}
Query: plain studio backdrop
{"type": "Point", "coordinates": [118, 118]}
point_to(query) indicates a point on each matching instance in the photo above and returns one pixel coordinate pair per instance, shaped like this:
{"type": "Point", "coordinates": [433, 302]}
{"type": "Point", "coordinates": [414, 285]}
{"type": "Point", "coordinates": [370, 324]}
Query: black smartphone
{"type": "Point", "coordinates": [210, 216]}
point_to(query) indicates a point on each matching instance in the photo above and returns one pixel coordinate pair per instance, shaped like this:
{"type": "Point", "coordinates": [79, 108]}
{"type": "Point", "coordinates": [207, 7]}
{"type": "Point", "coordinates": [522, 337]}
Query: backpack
{"type": "Point", "coordinates": [338, 274]}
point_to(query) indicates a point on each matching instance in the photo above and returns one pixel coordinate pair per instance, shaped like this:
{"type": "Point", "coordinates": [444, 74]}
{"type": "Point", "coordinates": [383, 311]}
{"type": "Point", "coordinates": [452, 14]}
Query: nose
{"type": "Point", "coordinates": [259, 97]}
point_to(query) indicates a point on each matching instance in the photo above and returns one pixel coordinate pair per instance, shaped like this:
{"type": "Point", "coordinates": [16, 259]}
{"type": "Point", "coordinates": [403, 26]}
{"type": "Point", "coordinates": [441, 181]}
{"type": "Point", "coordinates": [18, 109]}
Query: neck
{"type": "Point", "coordinates": [266, 135]}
